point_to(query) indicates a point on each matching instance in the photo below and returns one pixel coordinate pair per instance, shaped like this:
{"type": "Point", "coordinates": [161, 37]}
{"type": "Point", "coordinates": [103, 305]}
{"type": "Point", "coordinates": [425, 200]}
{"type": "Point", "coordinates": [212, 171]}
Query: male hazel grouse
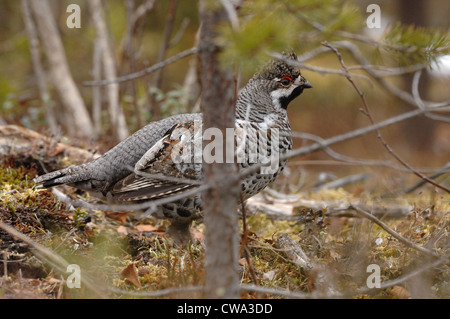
{"type": "Point", "coordinates": [260, 107]}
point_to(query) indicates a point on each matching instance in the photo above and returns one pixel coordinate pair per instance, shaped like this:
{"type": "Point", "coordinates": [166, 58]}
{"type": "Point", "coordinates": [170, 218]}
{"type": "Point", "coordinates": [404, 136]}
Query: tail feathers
{"type": "Point", "coordinates": [63, 176]}
{"type": "Point", "coordinates": [137, 188]}
{"type": "Point", "coordinates": [50, 179]}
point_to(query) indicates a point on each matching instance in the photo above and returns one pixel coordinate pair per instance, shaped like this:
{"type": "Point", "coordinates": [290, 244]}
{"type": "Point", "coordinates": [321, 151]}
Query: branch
{"type": "Point", "coordinates": [146, 71]}
{"type": "Point", "coordinates": [369, 115]}
{"type": "Point", "coordinates": [316, 68]}
{"type": "Point", "coordinates": [418, 100]}
{"type": "Point", "coordinates": [392, 232]}
{"type": "Point", "coordinates": [362, 290]}
{"type": "Point", "coordinates": [150, 205]}
{"type": "Point", "coordinates": [156, 293]}
{"type": "Point", "coordinates": [48, 256]}
{"type": "Point", "coordinates": [370, 69]}
{"type": "Point", "coordinates": [321, 276]}
{"type": "Point", "coordinates": [441, 171]}
{"type": "Point", "coordinates": [341, 138]}
{"type": "Point", "coordinates": [343, 181]}
{"type": "Point", "coordinates": [403, 95]}
{"type": "Point", "coordinates": [281, 206]}
{"type": "Point", "coordinates": [339, 156]}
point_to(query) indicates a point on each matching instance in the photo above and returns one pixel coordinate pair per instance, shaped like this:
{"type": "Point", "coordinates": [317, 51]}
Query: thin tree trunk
{"type": "Point", "coordinates": [221, 220]}
{"type": "Point", "coordinates": [192, 82]}
{"type": "Point", "coordinates": [128, 61]}
{"type": "Point", "coordinates": [116, 115]}
{"type": "Point", "coordinates": [128, 47]}
{"type": "Point", "coordinates": [60, 74]}
{"type": "Point", "coordinates": [155, 108]}
{"type": "Point", "coordinates": [39, 72]}
{"type": "Point", "coordinates": [97, 90]}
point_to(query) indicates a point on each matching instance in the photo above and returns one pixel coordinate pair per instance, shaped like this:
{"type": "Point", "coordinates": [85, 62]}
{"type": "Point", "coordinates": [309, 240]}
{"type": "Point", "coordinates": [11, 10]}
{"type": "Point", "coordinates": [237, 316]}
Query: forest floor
{"type": "Point", "coordinates": [306, 244]}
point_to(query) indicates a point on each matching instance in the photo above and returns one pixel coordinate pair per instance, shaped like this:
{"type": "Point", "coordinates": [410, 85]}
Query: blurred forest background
{"type": "Point", "coordinates": [47, 71]}
{"type": "Point", "coordinates": [162, 29]}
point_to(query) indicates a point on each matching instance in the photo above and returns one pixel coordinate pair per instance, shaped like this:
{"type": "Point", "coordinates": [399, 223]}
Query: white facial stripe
{"type": "Point", "coordinates": [279, 93]}
{"type": "Point", "coordinates": [283, 92]}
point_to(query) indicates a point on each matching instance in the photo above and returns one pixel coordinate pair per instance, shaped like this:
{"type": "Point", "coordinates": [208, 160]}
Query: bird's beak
{"type": "Point", "coordinates": [307, 85]}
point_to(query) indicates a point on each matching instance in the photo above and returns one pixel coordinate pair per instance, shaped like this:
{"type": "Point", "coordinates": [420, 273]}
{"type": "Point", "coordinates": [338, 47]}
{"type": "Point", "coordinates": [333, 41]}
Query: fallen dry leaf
{"type": "Point", "coordinates": [400, 292]}
{"type": "Point", "coordinates": [149, 228]}
{"type": "Point", "coordinates": [129, 273]}
{"type": "Point", "coordinates": [120, 217]}
{"type": "Point", "coordinates": [58, 149]}
{"type": "Point", "coordinates": [335, 255]}
{"type": "Point", "coordinates": [243, 262]}
{"type": "Point", "coordinates": [122, 230]}
{"type": "Point", "coordinates": [197, 235]}
{"type": "Point", "coordinates": [269, 275]}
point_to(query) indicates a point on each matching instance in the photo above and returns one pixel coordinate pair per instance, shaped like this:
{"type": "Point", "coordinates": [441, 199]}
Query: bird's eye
{"type": "Point", "coordinates": [286, 81]}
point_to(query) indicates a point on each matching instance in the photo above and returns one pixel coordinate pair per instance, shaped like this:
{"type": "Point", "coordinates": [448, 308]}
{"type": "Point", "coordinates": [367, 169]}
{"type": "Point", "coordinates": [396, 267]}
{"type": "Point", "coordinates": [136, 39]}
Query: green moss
{"type": "Point", "coordinates": [343, 246]}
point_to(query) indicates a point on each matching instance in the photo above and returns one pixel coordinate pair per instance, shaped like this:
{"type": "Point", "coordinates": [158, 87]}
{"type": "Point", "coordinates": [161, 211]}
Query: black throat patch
{"type": "Point", "coordinates": [285, 100]}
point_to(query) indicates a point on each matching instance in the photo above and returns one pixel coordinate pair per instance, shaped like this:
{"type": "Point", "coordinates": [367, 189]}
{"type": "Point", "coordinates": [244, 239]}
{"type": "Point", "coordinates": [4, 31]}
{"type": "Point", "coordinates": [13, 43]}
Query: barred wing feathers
{"type": "Point", "coordinates": [166, 169]}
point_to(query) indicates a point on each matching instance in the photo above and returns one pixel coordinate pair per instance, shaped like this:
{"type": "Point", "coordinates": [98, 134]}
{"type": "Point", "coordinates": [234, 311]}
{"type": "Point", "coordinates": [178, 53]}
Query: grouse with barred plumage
{"type": "Point", "coordinates": [167, 148]}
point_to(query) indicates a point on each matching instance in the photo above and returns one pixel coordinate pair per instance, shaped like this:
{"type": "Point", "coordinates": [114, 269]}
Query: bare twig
{"type": "Point", "coordinates": [317, 68]}
{"type": "Point", "coordinates": [48, 256]}
{"type": "Point", "coordinates": [146, 71]}
{"type": "Point", "coordinates": [175, 291]}
{"type": "Point", "coordinates": [140, 206]}
{"type": "Point", "coordinates": [293, 251]}
{"type": "Point", "coordinates": [371, 70]}
{"type": "Point", "coordinates": [231, 13]}
{"type": "Point", "coordinates": [179, 34]}
{"type": "Point", "coordinates": [362, 290]}
{"type": "Point", "coordinates": [402, 95]}
{"type": "Point", "coordinates": [343, 159]}
{"type": "Point", "coordinates": [341, 138]}
{"type": "Point", "coordinates": [392, 232]}
{"type": "Point", "coordinates": [142, 10]}
{"type": "Point", "coordinates": [420, 103]}
{"type": "Point", "coordinates": [244, 248]}
{"type": "Point", "coordinates": [323, 281]}
{"type": "Point", "coordinates": [441, 171]}
{"type": "Point", "coordinates": [369, 115]}
{"type": "Point", "coordinates": [343, 181]}
{"type": "Point", "coordinates": [390, 71]}
{"type": "Point", "coordinates": [283, 207]}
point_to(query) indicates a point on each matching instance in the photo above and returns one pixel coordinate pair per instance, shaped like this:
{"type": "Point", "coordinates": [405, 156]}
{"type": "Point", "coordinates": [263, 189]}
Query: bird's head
{"type": "Point", "coordinates": [282, 79]}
